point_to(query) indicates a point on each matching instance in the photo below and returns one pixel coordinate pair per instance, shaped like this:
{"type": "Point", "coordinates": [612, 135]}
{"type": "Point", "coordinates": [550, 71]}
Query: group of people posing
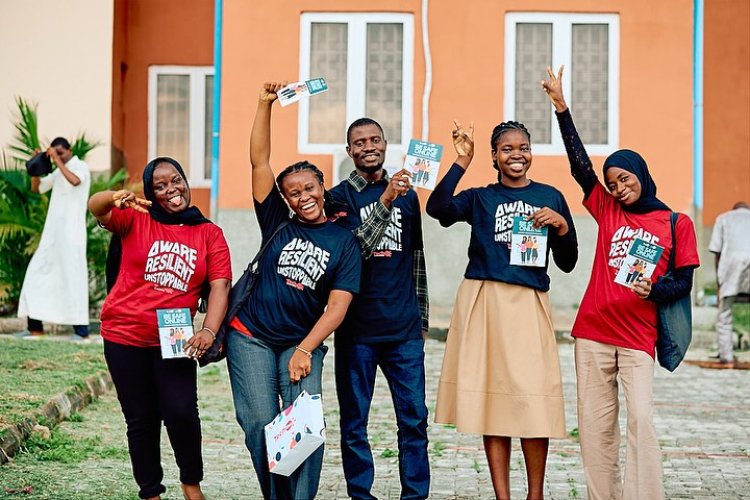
{"type": "Point", "coordinates": [351, 260]}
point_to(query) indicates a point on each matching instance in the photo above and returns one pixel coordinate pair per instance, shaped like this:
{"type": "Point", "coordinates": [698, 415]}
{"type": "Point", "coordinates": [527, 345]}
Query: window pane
{"type": "Point", "coordinates": [385, 55]}
{"type": "Point", "coordinates": [533, 55]}
{"type": "Point", "coordinates": [590, 81]}
{"type": "Point", "coordinates": [173, 118]}
{"type": "Point", "coordinates": [208, 126]}
{"type": "Point", "coordinates": [327, 123]}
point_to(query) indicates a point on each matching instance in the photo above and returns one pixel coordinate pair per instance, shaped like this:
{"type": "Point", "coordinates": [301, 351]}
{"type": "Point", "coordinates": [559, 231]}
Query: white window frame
{"type": "Point", "coordinates": [356, 71]}
{"type": "Point", "coordinates": [197, 76]}
{"type": "Point", "coordinates": [562, 54]}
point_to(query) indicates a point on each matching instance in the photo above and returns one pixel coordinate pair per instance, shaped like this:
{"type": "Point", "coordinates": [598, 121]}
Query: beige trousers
{"type": "Point", "coordinates": [597, 368]}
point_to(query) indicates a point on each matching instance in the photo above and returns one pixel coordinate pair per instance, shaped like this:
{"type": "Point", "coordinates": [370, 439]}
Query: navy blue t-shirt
{"type": "Point", "coordinates": [490, 211]}
{"type": "Point", "coordinates": [303, 263]}
{"type": "Point", "coordinates": [386, 308]}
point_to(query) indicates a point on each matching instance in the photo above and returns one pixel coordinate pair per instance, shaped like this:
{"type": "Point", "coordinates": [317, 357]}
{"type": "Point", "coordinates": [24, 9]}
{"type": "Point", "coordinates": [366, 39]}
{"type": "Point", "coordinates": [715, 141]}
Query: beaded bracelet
{"type": "Point", "coordinates": [309, 354]}
{"type": "Point", "coordinates": [213, 333]}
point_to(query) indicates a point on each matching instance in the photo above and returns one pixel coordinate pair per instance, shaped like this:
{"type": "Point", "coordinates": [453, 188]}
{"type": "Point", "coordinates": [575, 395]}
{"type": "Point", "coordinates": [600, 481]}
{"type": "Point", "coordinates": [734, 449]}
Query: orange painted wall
{"type": "Point", "coordinates": [147, 32]}
{"type": "Point", "coordinates": [726, 104]}
{"type": "Point", "coordinates": [261, 41]}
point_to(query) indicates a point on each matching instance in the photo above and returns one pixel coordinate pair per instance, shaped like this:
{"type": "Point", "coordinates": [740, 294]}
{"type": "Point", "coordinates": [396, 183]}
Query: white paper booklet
{"type": "Point", "coordinates": [297, 90]}
{"type": "Point", "coordinates": [640, 262]}
{"type": "Point", "coordinates": [175, 329]}
{"type": "Point", "coordinates": [423, 161]}
{"type": "Point", "coordinates": [528, 243]}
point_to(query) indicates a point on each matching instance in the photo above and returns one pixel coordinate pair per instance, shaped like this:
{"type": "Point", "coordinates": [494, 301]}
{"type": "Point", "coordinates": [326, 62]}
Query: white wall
{"type": "Point", "coordinates": [58, 53]}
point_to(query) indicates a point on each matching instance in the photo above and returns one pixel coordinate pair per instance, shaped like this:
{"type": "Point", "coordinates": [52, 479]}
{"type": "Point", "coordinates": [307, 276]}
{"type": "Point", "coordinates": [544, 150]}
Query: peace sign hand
{"type": "Point", "coordinates": [127, 199]}
{"type": "Point", "coordinates": [463, 140]}
{"type": "Point", "coordinates": [553, 88]}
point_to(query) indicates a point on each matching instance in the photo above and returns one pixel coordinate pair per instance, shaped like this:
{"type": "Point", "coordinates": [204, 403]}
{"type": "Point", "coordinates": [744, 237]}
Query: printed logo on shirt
{"type": "Point", "coordinates": [391, 241]}
{"type": "Point", "coordinates": [170, 265]}
{"type": "Point", "coordinates": [302, 263]}
{"type": "Point", "coordinates": [504, 214]}
{"type": "Point", "coordinates": [621, 241]}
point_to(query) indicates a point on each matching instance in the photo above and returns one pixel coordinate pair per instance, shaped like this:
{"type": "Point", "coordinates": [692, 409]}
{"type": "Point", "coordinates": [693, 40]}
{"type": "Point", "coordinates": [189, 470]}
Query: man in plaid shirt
{"type": "Point", "coordinates": [387, 321]}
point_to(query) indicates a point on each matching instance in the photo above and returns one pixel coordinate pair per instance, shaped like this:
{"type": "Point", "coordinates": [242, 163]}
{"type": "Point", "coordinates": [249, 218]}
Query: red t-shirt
{"type": "Point", "coordinates": [163, 267]}
{"type": "Point", "coordinates": [611, 313]}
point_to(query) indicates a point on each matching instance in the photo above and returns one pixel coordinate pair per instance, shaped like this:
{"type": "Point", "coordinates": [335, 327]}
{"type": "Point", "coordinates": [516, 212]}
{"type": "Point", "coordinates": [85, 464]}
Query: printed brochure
{"type": "Point", "coordinates": [640, 262]}
{"type": "Point", "coordinates": [528, 243]}
{"type": "Point", "coordinates": [423, 161]}
{"type": "Point", "coordinates": [175, 329]}
{"type": "Point", "coordinates": [296, 91]}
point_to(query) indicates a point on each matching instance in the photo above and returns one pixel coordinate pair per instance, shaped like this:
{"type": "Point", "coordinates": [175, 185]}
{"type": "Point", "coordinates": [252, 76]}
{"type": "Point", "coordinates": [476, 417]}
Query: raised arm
{"type": "Point", "coordinates": [102, 203]}
{"type": "Point", "coordinates": [260, 142]}
{"type": "Point", "coordinates": [580, 163]}
{"type": "Point", "coordinates": [440, 203]}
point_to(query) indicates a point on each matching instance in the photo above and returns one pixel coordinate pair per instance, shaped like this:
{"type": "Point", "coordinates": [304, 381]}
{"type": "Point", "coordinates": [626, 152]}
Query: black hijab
{"type": "Point", "coordinates": [636, 165]}
{"type": "Point", "coordinates": [191, 216]}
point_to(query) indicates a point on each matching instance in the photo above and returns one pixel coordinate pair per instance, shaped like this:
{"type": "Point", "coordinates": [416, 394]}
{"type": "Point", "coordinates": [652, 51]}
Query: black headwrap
{"type": "Point", "coordinates": [636, 165]}
{"type": "Point", "coordinates": [191, 216]}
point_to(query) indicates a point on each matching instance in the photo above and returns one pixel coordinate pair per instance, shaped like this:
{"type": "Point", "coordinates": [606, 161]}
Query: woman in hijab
{"type": "Point", "coordinates": [625, 208]}
{"type": "Point", "coordinates": [169, 250]}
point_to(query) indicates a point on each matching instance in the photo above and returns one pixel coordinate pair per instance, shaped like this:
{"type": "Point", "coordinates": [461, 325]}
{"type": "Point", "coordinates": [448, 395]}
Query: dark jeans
{"type": "Point", "coordinates": [34, 325]}
{"type": "Point", "coordinates": [260, 378]}
{"type": "Point", "coordinates": [152, 390]}
{"type": "Point", "coordinates": [402, 364]}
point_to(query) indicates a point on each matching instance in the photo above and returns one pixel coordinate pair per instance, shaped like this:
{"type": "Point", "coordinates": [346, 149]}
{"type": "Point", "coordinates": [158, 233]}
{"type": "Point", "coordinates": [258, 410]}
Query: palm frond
{"type": "Point", "coordinates": [82, 145]}
{"type": "Point", "coordinates": [27, 133]}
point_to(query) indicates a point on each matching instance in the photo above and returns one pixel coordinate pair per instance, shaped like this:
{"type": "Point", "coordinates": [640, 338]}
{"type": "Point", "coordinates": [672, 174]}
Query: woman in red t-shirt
{"type": "Point", "coordinates": [169, 250]}
{"type": "Point", "coordinates": [615, 329]}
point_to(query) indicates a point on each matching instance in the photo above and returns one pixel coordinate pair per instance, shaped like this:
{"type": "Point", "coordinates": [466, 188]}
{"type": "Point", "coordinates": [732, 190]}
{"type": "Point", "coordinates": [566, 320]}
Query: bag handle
{"type": "Point", "coordinates": [672, 222]}
{"type": "Point", "coordinates": [265, 245]}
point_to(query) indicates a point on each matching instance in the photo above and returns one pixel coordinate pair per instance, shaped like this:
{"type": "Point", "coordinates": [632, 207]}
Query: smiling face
{"type": "Point", "coordinates": [170, 189]}
{"type": "Point", "coordinates": [512, 154]}
{"type": "Point", "coordinates": [367, 148]}
{"type": "Point", "coordinates": [623, 185]}
{"type": "Point", "coordinates": [303, 192]}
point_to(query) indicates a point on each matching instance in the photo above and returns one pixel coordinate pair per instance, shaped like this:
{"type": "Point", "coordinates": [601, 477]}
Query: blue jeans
{"type": "Point", "coordinates": [260, 376]}
{"type": "Point", "coordinates": [402, 364]}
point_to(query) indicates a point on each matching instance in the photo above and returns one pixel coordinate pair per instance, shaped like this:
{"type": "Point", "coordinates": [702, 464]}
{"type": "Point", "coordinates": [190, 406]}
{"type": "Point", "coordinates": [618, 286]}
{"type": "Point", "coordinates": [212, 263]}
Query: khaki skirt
{"type": "Point", "coordinates": [501, 371]}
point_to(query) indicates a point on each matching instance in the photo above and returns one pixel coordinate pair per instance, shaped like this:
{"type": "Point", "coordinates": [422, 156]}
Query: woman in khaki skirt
{"type": "Point", "coordinates": [501, 372]}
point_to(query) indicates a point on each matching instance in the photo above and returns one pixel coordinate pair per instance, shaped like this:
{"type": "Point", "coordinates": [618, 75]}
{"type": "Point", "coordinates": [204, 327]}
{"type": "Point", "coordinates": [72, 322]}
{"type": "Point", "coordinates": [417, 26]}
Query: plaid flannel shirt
{"type": "Point", "coordinates": [371, 232]}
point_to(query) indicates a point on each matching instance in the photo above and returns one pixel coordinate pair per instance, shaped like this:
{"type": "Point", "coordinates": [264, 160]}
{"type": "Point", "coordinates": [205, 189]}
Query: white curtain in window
{"type": "Point", "coordinates": [328, 51]}
{"type": "Point", "coordinates": [383, 94]}
{"type": "Point", "coordinates": [589, 80]}
{"type": "Point", "coordinates": [533, 55]}
{"type": "Point", "coordinates": [173, 118]}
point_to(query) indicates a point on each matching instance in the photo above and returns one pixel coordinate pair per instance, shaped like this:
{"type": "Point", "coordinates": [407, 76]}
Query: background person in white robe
{"type": "Point", "coordinates": [55, 288]}
{"type": "Point", "coordinates": [730, 241]}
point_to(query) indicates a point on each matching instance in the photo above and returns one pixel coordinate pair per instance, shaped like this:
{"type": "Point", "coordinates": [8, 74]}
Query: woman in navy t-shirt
{"type": "Point", "coordinates": [501, 372]}
{"type": "Point", "coordinates": [308, 276]}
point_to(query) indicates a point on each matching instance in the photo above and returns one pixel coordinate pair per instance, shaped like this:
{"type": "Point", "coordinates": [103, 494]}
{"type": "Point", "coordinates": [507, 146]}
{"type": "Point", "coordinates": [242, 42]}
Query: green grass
{"type": "Point", "coordinates": [32, 372]}
{"type": "Point", "coordinates": [741, 314]}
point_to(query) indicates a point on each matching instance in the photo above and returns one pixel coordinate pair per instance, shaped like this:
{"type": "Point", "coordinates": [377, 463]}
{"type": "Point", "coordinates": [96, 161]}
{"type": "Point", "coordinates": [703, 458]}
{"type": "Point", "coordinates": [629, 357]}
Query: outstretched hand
{"type": "Point", "coordinates": [127, 199]}
{"type": "Point", "coordinates": [553, 88]}
{"type": "Point", "coordinates": [268, 92]}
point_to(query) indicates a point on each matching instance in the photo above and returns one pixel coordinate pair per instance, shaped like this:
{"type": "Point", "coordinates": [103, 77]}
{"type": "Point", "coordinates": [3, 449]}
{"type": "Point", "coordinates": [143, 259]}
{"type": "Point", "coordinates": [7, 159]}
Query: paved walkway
{"type": "Point", "coordinates": [702, 420]}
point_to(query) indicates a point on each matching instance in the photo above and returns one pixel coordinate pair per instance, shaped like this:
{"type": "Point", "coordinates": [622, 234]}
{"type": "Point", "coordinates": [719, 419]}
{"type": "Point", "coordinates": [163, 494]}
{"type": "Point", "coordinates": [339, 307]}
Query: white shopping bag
{"type": "Point", "coordinates": [295, 434]}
